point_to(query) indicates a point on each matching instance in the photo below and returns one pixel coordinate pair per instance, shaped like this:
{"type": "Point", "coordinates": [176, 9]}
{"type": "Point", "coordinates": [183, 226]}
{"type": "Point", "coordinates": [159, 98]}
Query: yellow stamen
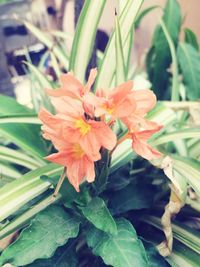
{"type": "Point", "coordinates": [78, 151]}
{"type": "Point", "coordinates": [109, 110]}
{"type": "Point", "coordinates": [83, 126]}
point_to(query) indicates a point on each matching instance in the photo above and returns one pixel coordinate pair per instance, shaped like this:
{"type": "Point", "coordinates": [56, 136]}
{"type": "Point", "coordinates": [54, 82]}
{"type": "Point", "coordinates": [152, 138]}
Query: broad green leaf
{"type": "Point", "coordinates": [98, 214]}
{"type": "Point", "coordinates": [27, 137]}
{"type": "Point", "coordinates": [132, 197]}
{"type": "Point", "coordinates": [108, 64]}
{"type": "Point", "coordinates": [120, 63]}
{"type": "Point", "coordinates": [50, 229]}
{"type": "Point", "coordinates": [19, 192]}
{"type": "Point", "coordinates": [180, 134]}
{"type": "Point", "coordinates": [123, 249]}
{"type": "Point", "coordinates": [158, 60]}
{"type": "Point", "coordinates": [175, 81]}
{"type": "Point", "coordinates": [47, 40]}
{"type": "Point", "coordinates": [190, 38]}
{"type": "Point", "coordinates": [84, 37]}
{"type": "Point", "coordinates": [189, 60]}
{"type": "Point", "coordinates": [64, 256]}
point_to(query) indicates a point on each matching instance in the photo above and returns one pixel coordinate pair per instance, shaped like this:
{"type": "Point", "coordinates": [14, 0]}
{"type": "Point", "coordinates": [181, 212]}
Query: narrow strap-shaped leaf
{"type": "Point", "coordinates": [20, 118]}
{"type": "Point", "coordinates": [120, 64]}
{"type": "Point", "coordinates": [46, 40]}
{"type": "Point", "coordinates": [26, 136]}
{"type": "Point", "coordinates": [142, 14]}
{"type": "Point", "coordinates": [190, 169]}
{"type": "Point", "coordinates": [175, 82]}
{"type": "Point", "coordinates": [19, 192]}
{"type": "Point", "coordinates": [84, 37]}
{"type": "Point", "coordinates": [126, 20]}
{"type": "Point", "coordinates": [180, 134]}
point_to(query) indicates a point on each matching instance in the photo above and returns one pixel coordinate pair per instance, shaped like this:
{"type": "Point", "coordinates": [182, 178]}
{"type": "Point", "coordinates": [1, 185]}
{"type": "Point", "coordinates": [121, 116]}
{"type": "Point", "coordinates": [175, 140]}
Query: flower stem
{"type": "Point", "coordinates": [60, 182]}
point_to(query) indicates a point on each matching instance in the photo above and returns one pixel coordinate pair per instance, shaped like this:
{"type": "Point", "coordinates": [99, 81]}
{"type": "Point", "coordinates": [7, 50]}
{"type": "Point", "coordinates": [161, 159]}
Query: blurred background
{"type": "Point", "coordinates": [18, 44]}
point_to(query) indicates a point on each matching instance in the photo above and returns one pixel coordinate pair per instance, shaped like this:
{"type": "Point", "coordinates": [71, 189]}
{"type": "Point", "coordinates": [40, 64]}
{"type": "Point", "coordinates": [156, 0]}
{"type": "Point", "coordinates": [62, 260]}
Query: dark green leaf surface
{"type": "Point", "coordinates": [153, 256]}
{"type": "Point", "coordinates": [50, 229]}
{"type": "Point", "coordinates": [26, 136]}
{"type": "Point", "coordinates": [189, 60]}
{"type": "Point", "coordinates": [190, 38]}
{"type": "Point", "coordinates": [98, 214]}
{"type": "Point", "coordinates": [64, 257]}
{"type": "Point", "coordinates": [132, 197]}
{"type": "Point", "coordinates": [123, 249]}
{"type": "Point", "coordinates": [159, 57]}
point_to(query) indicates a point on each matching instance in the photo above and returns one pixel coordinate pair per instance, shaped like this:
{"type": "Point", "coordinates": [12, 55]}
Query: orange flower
{"type": "Point", "coordinates": [145, 101]}
{"type": "Point", "coordinates": [77, 139]}
{"type": "Point", "coordinates": [79, 165]}
{"type": "Point", "coordinates": [140, 145]}
{"type": "Point", "coordinates": [116, 103]}
{"type": "Point", "coordinates": [71, 87]}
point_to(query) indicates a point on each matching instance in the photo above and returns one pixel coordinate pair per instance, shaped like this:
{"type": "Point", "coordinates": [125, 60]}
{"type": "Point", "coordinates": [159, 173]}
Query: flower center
{"type": "Point", "coordinates": [109, 109]}
{"type": "Point", "coordinates": [78, 151]}
{"type": "Point", "coordinates": [83, 126]}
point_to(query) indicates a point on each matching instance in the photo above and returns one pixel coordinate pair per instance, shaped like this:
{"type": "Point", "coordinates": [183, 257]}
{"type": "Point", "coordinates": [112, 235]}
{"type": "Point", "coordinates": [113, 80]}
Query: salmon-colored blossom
{"type": "Point", "coordinates": [71, 87]}
{"type": "Point", "coordinates": [145, 101]}
{"type": "Point", "coordinates": [79, 165]}
{"type": "Point", "coordinates": [116, 103]}
{"type": "Point", "coordinates": [79, 130]}
{"type": "Point", "coordinates": [140, 145]}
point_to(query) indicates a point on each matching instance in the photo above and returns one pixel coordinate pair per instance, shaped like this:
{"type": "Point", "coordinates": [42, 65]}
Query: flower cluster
{"type": "Point", "coordinates": [83, 123]}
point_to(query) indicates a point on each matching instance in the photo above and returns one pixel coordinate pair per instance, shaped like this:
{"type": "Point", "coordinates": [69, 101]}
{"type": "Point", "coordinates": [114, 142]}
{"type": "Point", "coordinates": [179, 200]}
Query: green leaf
{"type": "Point", "coordinates": [158, 61]}
{"type": "Point", "coordinates": [189, 60]}
{"type": "Point", "coordinates": [19, 192]}
{"type": "Point", "coordinates": [20, 221]}
{"type": "Point", "coordinates": [142, 14]}
{"type": "Point", "coordinates": [183, 256]}
{"type": "Point", "coordinates": [43, 80]}
{"type": "Point", "coordinates": [153, 256]}
{"type": "Point", "coordinates": [123, 249]}
{"type": "Point", "coordinates": [98, 214]}
{"type": "Point", "coordinates": [20, 118]}
{"type": "Point", "coordinates": [190, 170]}
{"type": "Point", "coordinates": [180, 134]}
{"type": "Point", "coordinates": [84, 37]}
{"type": "Point", "coordinates": [64, 256]}
{"type": "Point", "coordinates": [108, 64]}
{"type": "Point", "coordinates": [132, 197]}
{"type": "Point", "coordinates": [190, 38]}
{"type": "Point", "coordinates": [50, 229]}
{"type": "Point", "coordinates": [47, 40]}
{"type": "Point", "coordinates": [120, 63]}
{"type": "Point", "coordinates": [175, 81]}
{"type": "Point", "coordinates": [18, 157]}
{"type": "Point", "coordinates": [27, 137]}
